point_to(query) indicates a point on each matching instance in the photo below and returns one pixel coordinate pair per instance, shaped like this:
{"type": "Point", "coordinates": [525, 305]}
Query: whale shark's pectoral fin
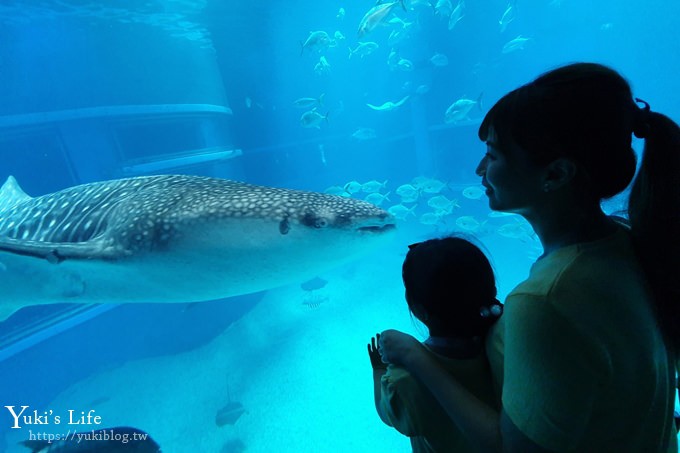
{"type": "Point", "coordinates": [55, 252]}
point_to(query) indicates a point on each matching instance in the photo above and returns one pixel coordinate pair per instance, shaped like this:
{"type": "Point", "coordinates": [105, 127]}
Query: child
{"type": "Point", "coordinates": [450, 287]}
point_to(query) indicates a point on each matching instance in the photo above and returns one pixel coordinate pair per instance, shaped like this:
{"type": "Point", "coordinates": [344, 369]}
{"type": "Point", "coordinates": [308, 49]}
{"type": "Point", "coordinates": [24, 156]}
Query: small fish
{"type": "Point", "coordinates": [389, 105]}
{"type": "Point", "coordinates": [473, 192]}
{"type": "Point", "coordinates": [443, 204]}
{"type": "Point", "coordinates": [317, 40]}
{"type": "Point", "coordinates": [352, 187]}
{"type": "Point", "coordinates": [432, 185]}
{"type": "Point", "coordinates": [312, 118]}
{"type": "Point", "coordinates": [515, 44]}
{"type": "Point", "coordinates": [430, 218]}
{"type": "Point", "coordinates": [443, 8]}
{"type": "Point", "coordinates": [422, 89]}
{"type": "Point", "coordinates": [229, 414]}
{"type": "Point", "coordinates": [305, 103]}
{"type": "Point", "coordinates": [314, 284]}
{"type": "Point", "coordinates": [373, 186]}
{"type": "Point", "coordinates": [439, 59]}
{"type": "Point", "coordinates": [408, 191]}
{"type": "Point", "coordinates": [520, 229]}
{"type": "Point", "coordinates": [400, 211]}
{"type": "Point", "coordinates": [338, 36]}
{"type": "Point", "coordinates": [459, 110]}
{"type": "Point", "coordinates": [405, 65]}
{"type": "Point", "coordinates": [364, 133]}
{"type": "Point", "coordinates": [392, 59]}
{"type": "Point", "coordinates": [508, 16]}
{"type": "Point", "coordinates": [377, 15]}
{"type": "Point", "coordinates": [377, 198]}
{"type": "Point", "coordinates": [397, 36]}
{"type": "Point", "coordinates": [363, 49]}
{"type": "Point", "coordinates": [457, 14]}
{"type": "Point", "coordinates": [341, 14]}
{"type": "Point", "coordinates": [105, 440]}
{"type": "Point", "coordinates": [322, 67]}
{"type": "Point", "coordinates": [468, 223]}
{"type": "Point", "coordinates": [336, 190]}
{"type": "Point", "coordinates": [249, 102]}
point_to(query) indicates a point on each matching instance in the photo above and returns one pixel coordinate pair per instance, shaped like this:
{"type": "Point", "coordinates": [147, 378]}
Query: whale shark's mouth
{"type": "Point", "coordinates": [381, 228]}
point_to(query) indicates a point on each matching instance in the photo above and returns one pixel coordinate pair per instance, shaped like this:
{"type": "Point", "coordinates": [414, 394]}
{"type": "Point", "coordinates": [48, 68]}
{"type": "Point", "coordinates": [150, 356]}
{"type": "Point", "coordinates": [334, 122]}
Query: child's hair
{"type": "Point", "coordinates": [453, 281]}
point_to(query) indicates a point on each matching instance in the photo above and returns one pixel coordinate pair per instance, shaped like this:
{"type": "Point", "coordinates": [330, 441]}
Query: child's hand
{"type": "Point", "coordinates": [374, 354]}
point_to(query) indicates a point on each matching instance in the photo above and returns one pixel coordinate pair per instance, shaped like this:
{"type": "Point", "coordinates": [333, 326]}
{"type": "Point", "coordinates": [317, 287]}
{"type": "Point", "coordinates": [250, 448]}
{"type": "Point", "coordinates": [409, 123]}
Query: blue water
{"type": "Point", "coordinates": [100, 90]}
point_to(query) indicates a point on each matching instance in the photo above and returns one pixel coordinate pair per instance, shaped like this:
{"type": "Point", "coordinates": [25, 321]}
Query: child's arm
{"type": "Point", "coordinates": [379, 370]}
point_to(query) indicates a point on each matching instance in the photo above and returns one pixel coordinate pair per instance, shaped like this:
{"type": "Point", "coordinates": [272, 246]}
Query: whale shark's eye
{"type": "Point", "coordinates": [315, 221]}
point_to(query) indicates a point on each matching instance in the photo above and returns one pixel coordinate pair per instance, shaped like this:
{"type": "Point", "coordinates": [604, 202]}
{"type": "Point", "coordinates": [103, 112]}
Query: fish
{"type": "Point", "coordinates": [106, 440]}
{"type": "Point", "coordinates": [314, 284]}
{"type": "Point", "coordinates": [507, 17]}
{"type": "Point", "coordinates": [400, 211]}
{"type": "Point", "coordinates": [363, 49]}
{"type": "Point", "coordinates": [312, 118]}
{"type": "Point", "coordinates": [364, 133]}
{"type": "Point", "coordinates": [341, 14]}
{"type": "Point", "coordinates": [468, 223]}
{"type": "Point", "coordinates": [322, 67]}
{"type": "Point", "coordinates": [431, 185]}
{"type": "Point", "coordinates": [473, 192]}
{"type": "Point", "coordinates": [443, 8]}
{"type": "Point", "coordinates": [439, 59]}
{"type": "Point", "coordinates": [459, 110]}
{"type": "Point", "coordinates": [457, 14]}
{"type": "Point", "coordinates": [405, 65]}
{"type": "Point", "coordinates": [229, 414]}
{"type": "Point", "coordinates": [376, 15]}
{"type": "Point", "coordinates": [377, 198]}
{"type": "Point", "coordinates": [373, 186]}
{"type": "Point", "coordinates": [353, 187]}
{"type": "Point", "coordinates": [408, 191]}
{"type": "Point", "coordinates": [173, 239]}
{"type": "Point", "coordinates": [515, 44]}
{"type": "Point", "coordinates": [430, 218]}
{"type": "Point", "coordinates": [317, 40]}
{"type": "Point", "coordinates": [305, 103]}
{"type": "Point", "coordinates": [336, 190]}
{"type": "Point", "coordinates": [389, 105]}
{"type": "Point", "coordinates": [443, 204]}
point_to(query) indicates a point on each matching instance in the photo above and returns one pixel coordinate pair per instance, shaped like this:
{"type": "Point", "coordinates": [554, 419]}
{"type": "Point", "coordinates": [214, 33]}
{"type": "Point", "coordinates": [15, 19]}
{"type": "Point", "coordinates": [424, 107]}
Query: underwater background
{"type": "Point", "coordinates": [283, 94]}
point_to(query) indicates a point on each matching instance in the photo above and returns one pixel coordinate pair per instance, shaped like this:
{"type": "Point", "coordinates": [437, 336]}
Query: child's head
{"type": "Point", "coordinates": [450, 287]}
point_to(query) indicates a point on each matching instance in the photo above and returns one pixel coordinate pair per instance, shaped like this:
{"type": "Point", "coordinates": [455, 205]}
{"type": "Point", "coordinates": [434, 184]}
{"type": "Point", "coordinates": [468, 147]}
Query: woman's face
{"type": "Point", "coordinates": [512, 182]}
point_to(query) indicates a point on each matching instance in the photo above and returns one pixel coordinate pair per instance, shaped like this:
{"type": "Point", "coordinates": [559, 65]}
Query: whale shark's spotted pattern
{"type": "Point", "coordinates": [127, 216]}
{"type": "Point", "coordinates": [167, 239]}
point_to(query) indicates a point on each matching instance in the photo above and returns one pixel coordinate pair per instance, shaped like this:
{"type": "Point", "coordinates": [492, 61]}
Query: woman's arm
{"type": "Point", "coordinates": [481, 424]}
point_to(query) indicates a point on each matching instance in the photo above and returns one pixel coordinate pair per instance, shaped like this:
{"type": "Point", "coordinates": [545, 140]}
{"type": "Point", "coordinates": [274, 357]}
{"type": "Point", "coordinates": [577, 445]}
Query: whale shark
{"type": "Point", "coordinates": [173, 238]}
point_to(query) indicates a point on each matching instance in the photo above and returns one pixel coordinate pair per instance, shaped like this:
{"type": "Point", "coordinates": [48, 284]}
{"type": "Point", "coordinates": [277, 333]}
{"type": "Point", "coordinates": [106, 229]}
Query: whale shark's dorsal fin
{"type": "Point", "coordinates": [11, 194]}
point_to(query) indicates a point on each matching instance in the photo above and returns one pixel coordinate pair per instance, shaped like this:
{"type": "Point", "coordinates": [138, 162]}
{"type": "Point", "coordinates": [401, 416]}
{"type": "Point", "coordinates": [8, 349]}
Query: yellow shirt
{"type": "Point", "coordinates": [579, 357]}
{"type": "Point", "coordinates": [414, 411]}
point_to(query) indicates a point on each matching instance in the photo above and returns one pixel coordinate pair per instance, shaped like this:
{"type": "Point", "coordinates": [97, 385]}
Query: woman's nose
{"type": "Point", "coordinates": [481, 167]}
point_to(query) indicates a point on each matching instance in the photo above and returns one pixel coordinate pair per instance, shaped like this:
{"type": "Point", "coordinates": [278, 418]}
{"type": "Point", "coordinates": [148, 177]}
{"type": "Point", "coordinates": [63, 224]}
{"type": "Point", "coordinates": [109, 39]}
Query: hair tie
{"type": "Point", "coordinates": [641, 125]}
{"type": "Point", "coordinates": [494, 310]}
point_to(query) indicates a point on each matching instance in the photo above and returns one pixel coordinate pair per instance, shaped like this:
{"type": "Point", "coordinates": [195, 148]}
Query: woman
{"type": "Point", "coordinates": [584, 356]}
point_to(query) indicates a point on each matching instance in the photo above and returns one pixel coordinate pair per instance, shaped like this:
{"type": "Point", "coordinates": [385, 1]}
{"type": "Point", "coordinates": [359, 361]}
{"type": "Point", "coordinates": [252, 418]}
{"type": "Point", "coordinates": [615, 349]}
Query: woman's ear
{"type": "Point", "coordinates": [559, 173]}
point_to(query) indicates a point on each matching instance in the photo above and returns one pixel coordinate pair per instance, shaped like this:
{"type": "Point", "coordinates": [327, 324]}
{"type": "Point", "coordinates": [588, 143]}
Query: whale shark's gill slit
{"type": "Point", "coordinates": [284, 226]}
